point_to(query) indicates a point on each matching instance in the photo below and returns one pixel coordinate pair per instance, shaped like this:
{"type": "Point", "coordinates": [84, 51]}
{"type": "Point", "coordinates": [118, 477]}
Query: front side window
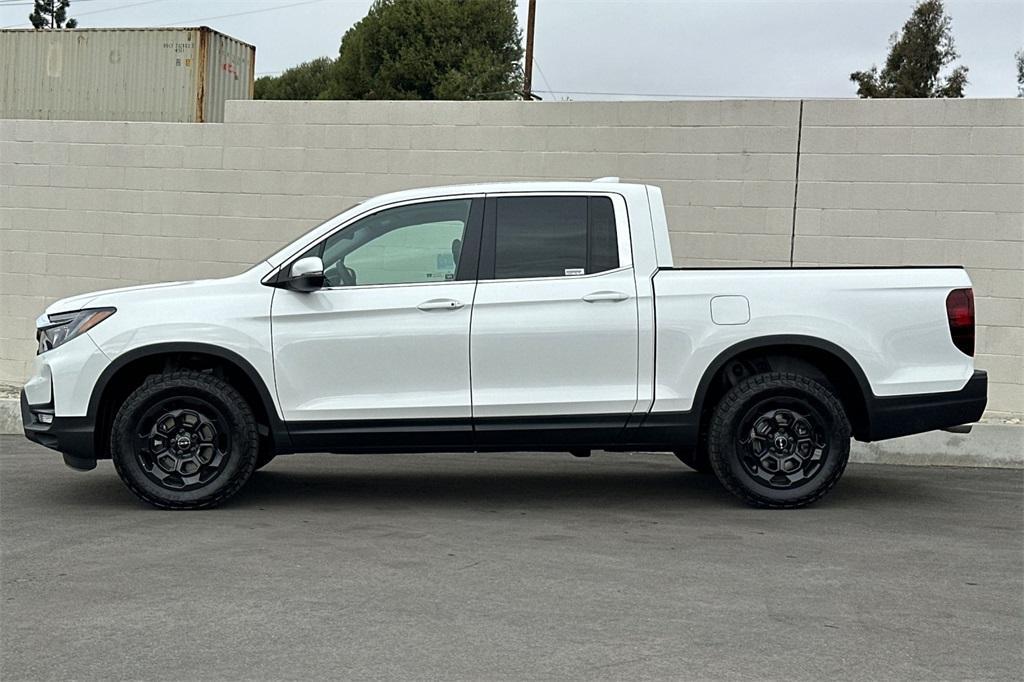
{"type": "Point", "coordinates": [418, 243]}
{"type": "Point", "coordinates": [554, 236]}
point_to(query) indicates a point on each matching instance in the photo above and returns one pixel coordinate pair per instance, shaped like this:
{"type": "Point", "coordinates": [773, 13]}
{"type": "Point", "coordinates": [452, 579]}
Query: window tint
{"type": "Point", "coordinates": [554, 236]}
{"type": "Point", "coordinates": [604, 247]}
{"type": "Point", "coordinates": [407, 244]}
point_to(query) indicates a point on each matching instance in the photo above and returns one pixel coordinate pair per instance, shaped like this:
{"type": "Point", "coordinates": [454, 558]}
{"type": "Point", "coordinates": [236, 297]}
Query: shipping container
{"type": "Point", "coordinates": [123, 74]}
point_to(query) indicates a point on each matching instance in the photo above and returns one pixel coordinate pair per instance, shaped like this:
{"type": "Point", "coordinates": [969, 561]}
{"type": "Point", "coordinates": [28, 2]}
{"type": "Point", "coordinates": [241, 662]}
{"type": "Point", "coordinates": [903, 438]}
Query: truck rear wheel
{"type": "Point", "coordinates": [779, 440]}
{"type": "Point", "coordinates": [184, 440]}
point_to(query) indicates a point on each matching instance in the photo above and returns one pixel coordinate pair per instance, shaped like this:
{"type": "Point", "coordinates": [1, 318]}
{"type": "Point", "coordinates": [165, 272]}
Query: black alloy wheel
{"type": "Point", "coordinates": [185, 439]}
{"type": "Point", "coordinates": [779, 440]}
{"type": "Point", "coordinates": [783, 442]}
{"type": "Point", "coordinates": [180, 446]}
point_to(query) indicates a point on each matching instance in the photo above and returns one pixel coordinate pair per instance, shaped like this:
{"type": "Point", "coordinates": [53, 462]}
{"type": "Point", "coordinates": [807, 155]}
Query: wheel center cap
{"type": "Point", "coordinates": [183, 442]}
{"type": "Point", "coordinates": [781, 442]}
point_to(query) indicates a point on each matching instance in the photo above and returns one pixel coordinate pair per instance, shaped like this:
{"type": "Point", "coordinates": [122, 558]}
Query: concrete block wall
{"type": "Point", "coordinates": [88, 205]}
{"type": "Point", "coordinates": [918, 182]}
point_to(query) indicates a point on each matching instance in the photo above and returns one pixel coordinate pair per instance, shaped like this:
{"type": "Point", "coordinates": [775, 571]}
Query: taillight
{"type": "Point", "coordinates": [960, 313]}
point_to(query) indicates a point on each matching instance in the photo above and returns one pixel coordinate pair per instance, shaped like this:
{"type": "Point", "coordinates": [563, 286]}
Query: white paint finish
{"type": "Point", "coordinates": [659, 227]}
{"type": "Point", "coordinates": [94, 205]}
{"type": "Point", "coordinates": [39, 387]}
{"type": "Point", "coordinates": [66, 376]}
{"type": "Point", "coordinates": [231, 313]}
{"type": "Point", "coordinates": [591, 344]}
{"type": "Point", "coordinates": [371, 352]}
{"type": "Point", "coordinates": [539, 349]}
{"type": "Point", "coordinates": [891, 321]}
{"type": "Point", "coordinates": [730, 310]}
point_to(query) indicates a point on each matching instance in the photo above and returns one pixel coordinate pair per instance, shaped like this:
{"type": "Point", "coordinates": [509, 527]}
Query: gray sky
{"type": "Point", "coordinates": [757, 48]}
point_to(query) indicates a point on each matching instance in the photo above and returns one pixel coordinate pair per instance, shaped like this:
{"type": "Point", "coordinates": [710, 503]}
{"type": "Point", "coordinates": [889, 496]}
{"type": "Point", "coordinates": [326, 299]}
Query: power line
{"type": "Point", "coordinates": [23, 3]}
{"type": "Point", "coordinates": [543, 77]}
{"type": "Point", "coordinates": [239, 14]}
{"type": "Point", "coordinates": [114, 9]}
{"type": "Point", "coordinates": [97, 11]}
{"type": "Point", "coordinates": [15, 3]}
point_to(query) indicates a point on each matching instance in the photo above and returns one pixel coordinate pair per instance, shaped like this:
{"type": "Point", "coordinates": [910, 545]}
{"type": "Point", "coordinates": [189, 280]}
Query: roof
{"type": "Point", "coordinates": [548, 186]}
{"type": "Point", "coordinates": [602, 185]}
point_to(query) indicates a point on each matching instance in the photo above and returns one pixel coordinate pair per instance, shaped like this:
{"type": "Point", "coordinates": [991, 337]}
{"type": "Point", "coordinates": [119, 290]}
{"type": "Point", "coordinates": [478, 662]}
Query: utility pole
{"type": "Point", "coordinates": [528, 69]}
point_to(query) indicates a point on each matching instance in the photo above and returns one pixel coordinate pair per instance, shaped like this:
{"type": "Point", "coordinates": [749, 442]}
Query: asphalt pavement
{"type": "Point", "coordinates": [511, 566]}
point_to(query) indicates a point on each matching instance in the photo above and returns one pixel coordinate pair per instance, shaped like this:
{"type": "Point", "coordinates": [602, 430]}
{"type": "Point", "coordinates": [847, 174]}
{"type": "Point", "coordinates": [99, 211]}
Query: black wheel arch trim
{"type": "Point", "coordinates": [278, 428]}
{"type": "Point", "coordinates": [683, 428]}
{"type": "Point", "coordinates": [885, 416]}
{"type": "Point", "coordinates": [772, 340]}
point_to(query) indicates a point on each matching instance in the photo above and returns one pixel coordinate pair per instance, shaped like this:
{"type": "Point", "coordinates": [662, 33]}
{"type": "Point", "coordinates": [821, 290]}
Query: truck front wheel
{"type": "Point", "coordinates": [184, 439]}
{"type": "Point", "coordinates": [779, 440]}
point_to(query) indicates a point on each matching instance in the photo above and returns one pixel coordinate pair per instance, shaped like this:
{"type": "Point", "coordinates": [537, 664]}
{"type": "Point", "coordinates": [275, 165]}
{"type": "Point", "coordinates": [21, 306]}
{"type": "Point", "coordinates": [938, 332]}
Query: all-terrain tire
{"type": "Point", "coordinates": [755, 444]}
{"type": "Point", "coordinates": [173, 410]}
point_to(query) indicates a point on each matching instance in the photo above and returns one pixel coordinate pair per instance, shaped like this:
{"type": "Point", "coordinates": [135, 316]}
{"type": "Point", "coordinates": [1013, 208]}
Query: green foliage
{"type": "Point", "coordinates": [432, 49]}
{"type": "Point", "coordinates": [916, 56]}
{"type": "Point", "coordinates": [415, 49]}
{"type": "Point", "coordinates": [305, 81]}
{"type": "Point", "coordinates": [51, 14]}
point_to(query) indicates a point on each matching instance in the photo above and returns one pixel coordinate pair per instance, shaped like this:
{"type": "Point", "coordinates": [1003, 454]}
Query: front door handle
{"type": "Point", "coordinates": [441, 304]}
{"type": "Point", "coordinates": [612, 296]}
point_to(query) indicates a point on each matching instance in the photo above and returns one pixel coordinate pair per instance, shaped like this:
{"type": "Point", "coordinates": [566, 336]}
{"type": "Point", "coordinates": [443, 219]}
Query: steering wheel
{"type": "Point", "coordinates": [338, 274]}
{"type": "Point", "coordinates": [346, 274]}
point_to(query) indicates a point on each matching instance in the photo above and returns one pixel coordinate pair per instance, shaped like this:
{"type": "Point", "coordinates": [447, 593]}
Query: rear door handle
{"type": "Point", "coordinates": [612, 296]}
{"type": "Point", "coordinates": [441, 304]}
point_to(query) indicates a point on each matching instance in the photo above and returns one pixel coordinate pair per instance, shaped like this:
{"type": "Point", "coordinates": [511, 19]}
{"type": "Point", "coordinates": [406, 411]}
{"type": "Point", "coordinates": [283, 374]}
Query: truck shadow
{"type": "Point", "coordinates": [533, 488]}
{"type": "Point", "coordinates": [642, 486]}
{"type": "Point", "coordinates": [647, 488]}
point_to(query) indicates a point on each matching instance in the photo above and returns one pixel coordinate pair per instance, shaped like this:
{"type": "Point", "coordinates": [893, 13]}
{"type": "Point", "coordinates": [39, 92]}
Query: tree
{"type": "Point", "coordinates": [51, 14]}
{"type": "Point", "coordinates": [308, 80]}
{"type": "Point", "coordinates": [916, 56]}
{"type": "Point", "coordinates": [1020, 72]}
{"type": "Point", "coordinates": [431, 49]}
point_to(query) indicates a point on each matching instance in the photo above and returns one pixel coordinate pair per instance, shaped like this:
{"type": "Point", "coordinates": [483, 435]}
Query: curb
{"type": "Point", "coordinates": [10, 416]}
{"type": "Point", "coordinates": [988, 445]}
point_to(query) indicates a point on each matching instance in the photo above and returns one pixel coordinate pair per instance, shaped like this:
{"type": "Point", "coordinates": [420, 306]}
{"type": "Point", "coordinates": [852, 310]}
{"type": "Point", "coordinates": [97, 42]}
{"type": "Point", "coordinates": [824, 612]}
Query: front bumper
{"type": "Point", "coordinates": [895, 416]}
{"type": "Point", "coordinates": [73, 437]}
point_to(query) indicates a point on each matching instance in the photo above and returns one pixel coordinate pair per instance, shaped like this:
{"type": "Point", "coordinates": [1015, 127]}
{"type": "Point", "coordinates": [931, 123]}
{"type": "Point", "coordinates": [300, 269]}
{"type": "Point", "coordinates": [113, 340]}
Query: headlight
{"type": "Point", "coordinates": [58, 329]}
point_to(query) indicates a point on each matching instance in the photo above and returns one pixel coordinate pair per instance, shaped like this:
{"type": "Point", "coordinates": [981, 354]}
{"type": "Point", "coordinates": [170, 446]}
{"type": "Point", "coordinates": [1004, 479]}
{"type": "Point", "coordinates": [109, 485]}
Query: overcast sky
{"type": "Point", "coordinates": [586, 48]}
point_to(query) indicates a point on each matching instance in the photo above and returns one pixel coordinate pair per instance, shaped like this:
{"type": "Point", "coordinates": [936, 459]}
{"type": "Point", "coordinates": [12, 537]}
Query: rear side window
{"type": "Point", "coordinates": [554, 236]}
{"type": "Point", "coordinates": [603, 251]}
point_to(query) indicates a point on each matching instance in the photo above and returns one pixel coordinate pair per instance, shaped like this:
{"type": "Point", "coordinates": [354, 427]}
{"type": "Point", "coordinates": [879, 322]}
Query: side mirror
{"type": "Point", "coordinates": [306, 274]}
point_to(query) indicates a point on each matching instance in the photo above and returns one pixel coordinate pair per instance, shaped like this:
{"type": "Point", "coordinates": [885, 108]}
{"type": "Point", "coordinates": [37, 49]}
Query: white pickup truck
{"type": "Point", "coordinates": [495, 317]}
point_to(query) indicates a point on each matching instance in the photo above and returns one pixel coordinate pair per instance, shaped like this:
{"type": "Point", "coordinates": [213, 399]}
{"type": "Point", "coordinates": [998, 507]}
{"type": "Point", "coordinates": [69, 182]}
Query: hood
{"type": "Point", "coordinates": [73, 303]}
{"type": "Point", "coordinates": [115, 297]}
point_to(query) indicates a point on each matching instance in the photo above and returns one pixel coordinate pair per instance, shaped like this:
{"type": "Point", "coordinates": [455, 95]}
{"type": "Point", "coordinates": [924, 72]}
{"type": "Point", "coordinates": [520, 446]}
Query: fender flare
{"type": "Point", "coordinates": [279, 431]}
{"type": "Point", "coordinates": [782, 340]}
